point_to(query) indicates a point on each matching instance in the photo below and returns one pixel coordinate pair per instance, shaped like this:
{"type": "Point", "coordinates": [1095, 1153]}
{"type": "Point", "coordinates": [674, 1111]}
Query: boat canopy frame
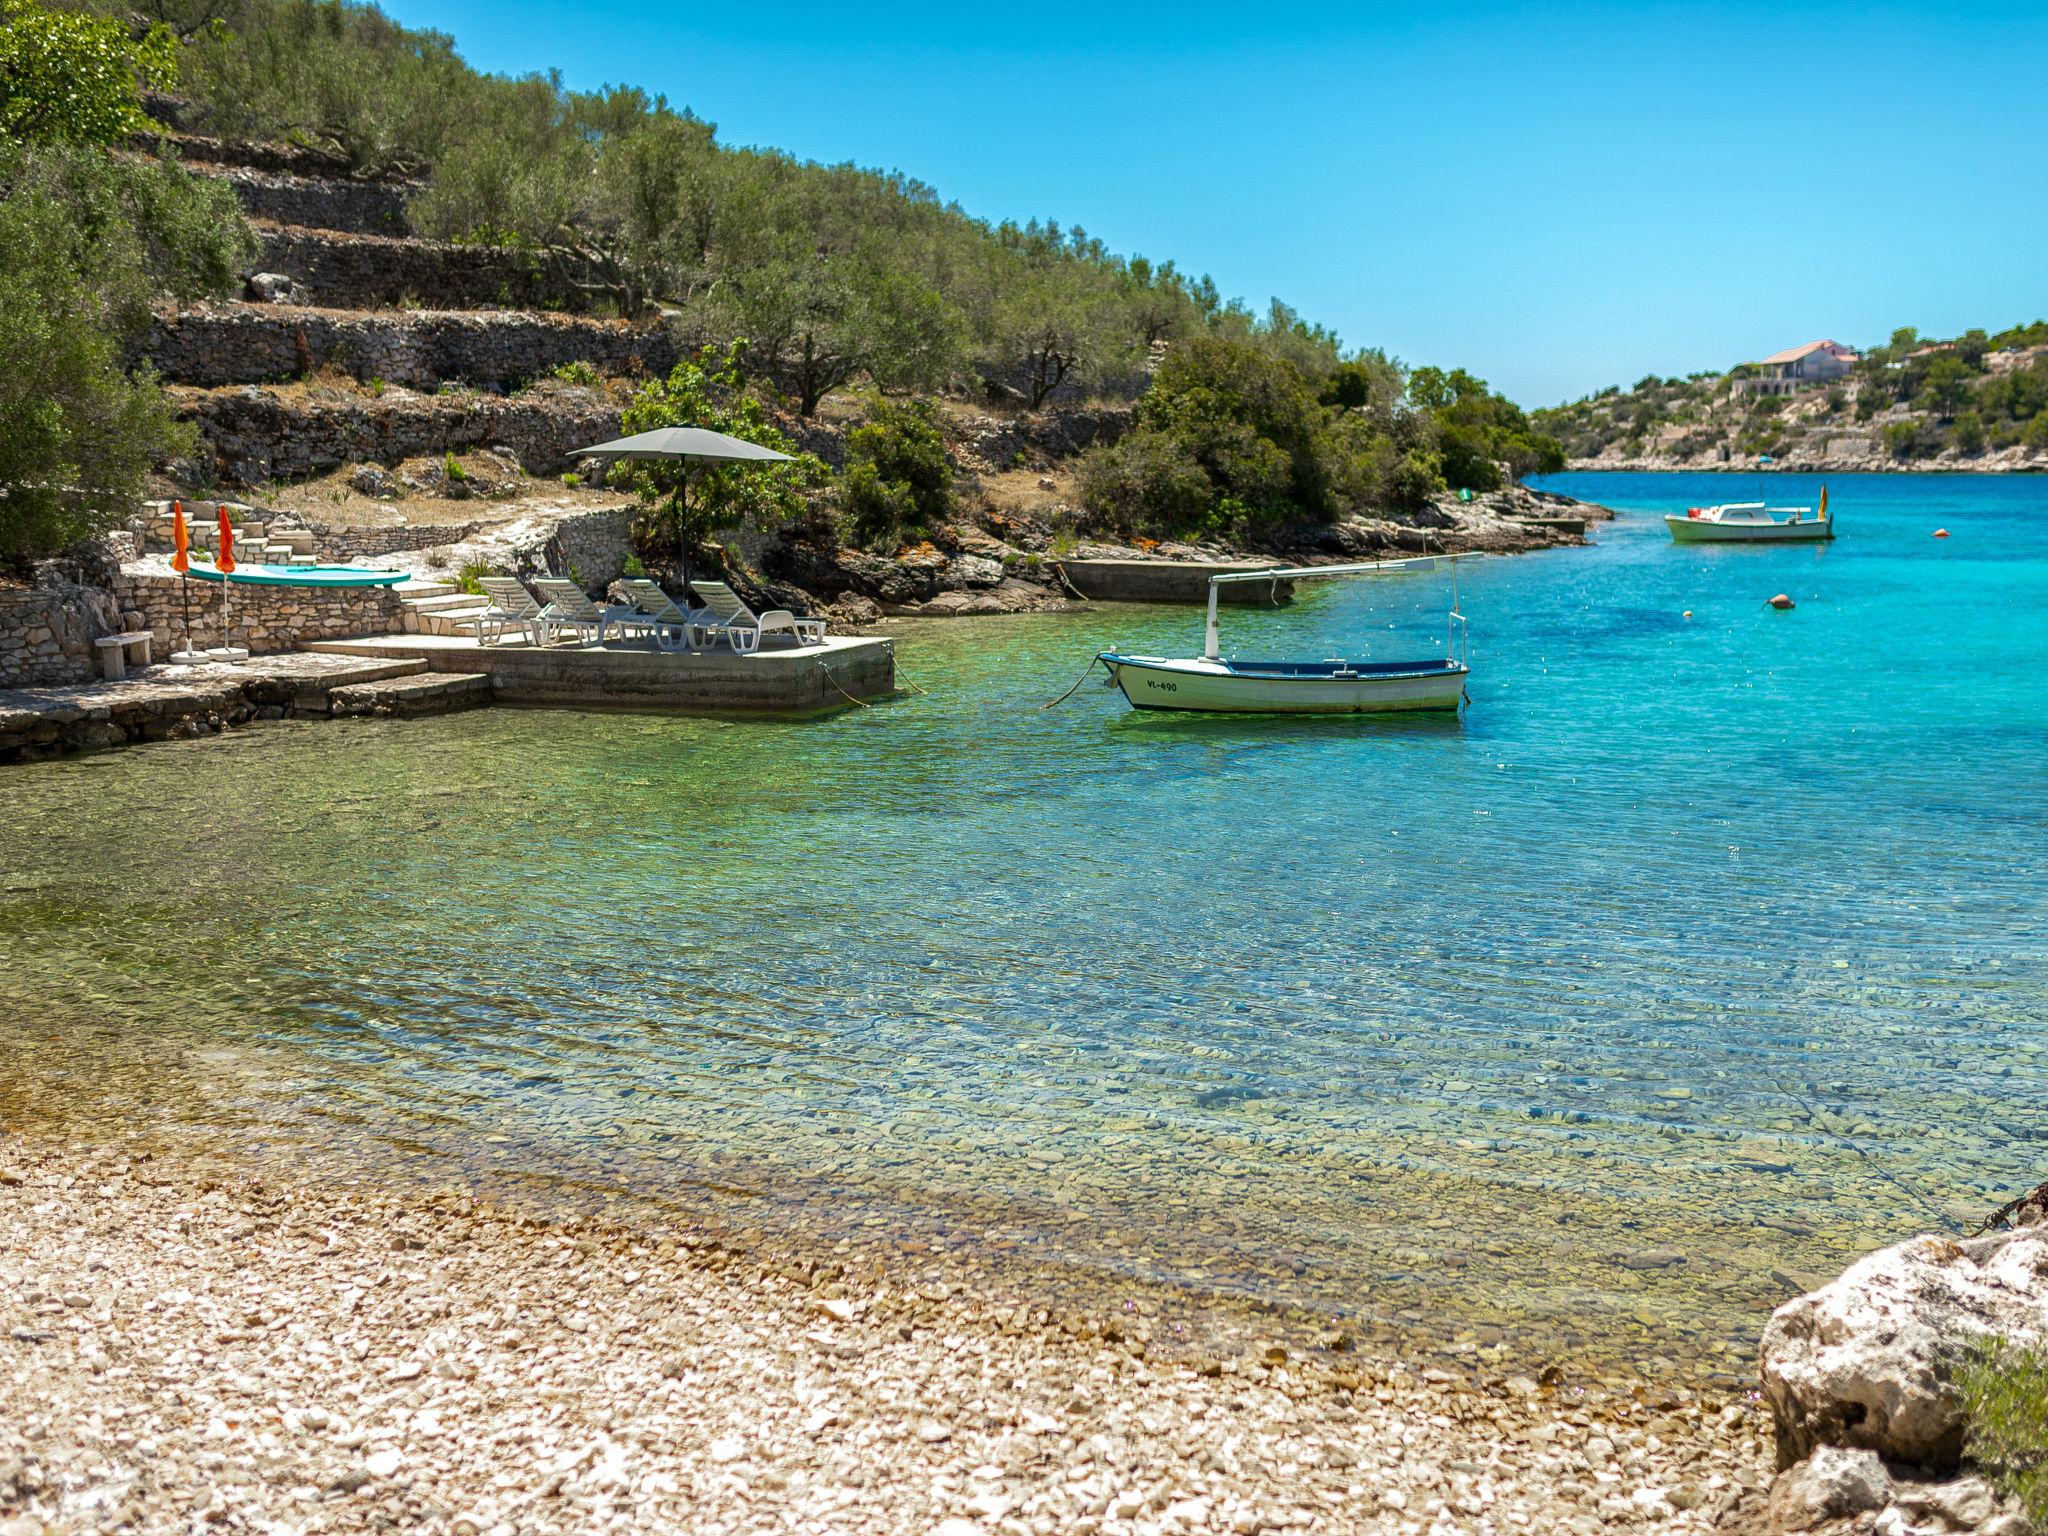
{"type": "Point", "coordinates": [1454, 628]}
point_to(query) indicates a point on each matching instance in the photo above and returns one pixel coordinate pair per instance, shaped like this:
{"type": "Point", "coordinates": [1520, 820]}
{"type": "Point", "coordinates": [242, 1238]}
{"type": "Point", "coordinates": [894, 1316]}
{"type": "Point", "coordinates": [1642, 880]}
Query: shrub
{"type": "Point", "coordinates": [1146, 481]}
{"type": "Point", "coordinates": [452, 467]}
{"type": "Point", "coordinates": [1966, 435]}
{"type": "Point", "coordinates": [576, 372]}
{"type": "Point", "coordinates": [898, 481]}
{"type": "Point", "coordinates": [466, 578]}
{"type": "Point", "coordinates": [2005, 1420]}
{"type": "Point", "coordinates": [2036, 434]}
{"type": "Point", "coordinates": [635, 568]}
{"type": "Point", "coordinates": [572, 480]}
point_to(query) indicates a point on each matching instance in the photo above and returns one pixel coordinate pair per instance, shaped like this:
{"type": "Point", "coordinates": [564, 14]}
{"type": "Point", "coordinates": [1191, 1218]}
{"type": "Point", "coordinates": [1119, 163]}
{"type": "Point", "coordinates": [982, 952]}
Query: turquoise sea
{"type": "Point", "coordinates": [1702, 953]}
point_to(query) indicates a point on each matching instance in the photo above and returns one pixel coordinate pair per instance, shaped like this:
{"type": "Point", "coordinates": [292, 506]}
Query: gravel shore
{"type": "Point", "coordinates": [181, 1354]}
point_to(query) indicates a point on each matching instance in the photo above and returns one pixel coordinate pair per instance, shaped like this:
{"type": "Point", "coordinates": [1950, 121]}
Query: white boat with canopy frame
{"type": "Point", "coordinates": [1753, 522]}
{"type": "Point", "coordinates": [1336, 685]}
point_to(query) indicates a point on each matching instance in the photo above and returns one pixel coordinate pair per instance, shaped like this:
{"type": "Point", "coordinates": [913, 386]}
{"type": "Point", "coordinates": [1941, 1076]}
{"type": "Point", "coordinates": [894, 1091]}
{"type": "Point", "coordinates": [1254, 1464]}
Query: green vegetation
{"type": "Point", "coordinates": [2005, 1415]}
{"type": "Point", "coordinates": [1233, 438]}
{"type": "Point", "coordinates": [86, 241]}
{"type": "Point", "coordinates": [1975, 392]}
{"type": "Point", "coordinates": [468, 579]}
{"type": "Point", "coordinates": [898, 483]}
{"type": "Point", "coordinates": [710, 390]}
{"type": "Point", "coordinates": [835, 274]}
{"type": "Point", "coordinates": [576, 371]}
{"type": "Point", "coordinates": [452, 468]}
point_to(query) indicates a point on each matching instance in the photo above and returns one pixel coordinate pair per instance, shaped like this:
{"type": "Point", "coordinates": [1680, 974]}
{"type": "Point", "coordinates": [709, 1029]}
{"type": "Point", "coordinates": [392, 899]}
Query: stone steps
{"type": "Point", "coordinates": [431, 693]}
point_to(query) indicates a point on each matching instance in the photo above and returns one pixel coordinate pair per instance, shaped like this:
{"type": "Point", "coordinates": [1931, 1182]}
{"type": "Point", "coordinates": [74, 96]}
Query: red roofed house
{"type": "Point", "coordinates": [1789, 371]}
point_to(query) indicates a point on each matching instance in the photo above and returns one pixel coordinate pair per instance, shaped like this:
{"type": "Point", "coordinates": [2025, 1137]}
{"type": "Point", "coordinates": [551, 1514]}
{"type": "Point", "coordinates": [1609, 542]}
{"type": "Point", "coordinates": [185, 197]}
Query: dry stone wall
{"type": "Point", "coordinates": [357, 207]}
{"type": "Point", "coordinates": [47, 634]}
{"type": "Point", "coordinates": [591, 548]}
{"type": "Point", "coordinates": [341, 544]}
{"type": "Point", "coordinates": [216, 344]}
{"type": "Point", "coordinates": [257, 435]}
{"type": "Point", "coordinates": [380, 271]}
{"type": "Point", "coordinates": [263, 618]}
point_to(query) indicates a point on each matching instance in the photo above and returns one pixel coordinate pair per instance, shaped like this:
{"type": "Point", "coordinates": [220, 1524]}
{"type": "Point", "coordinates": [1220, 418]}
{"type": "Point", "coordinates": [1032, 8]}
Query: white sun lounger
{"type": "Point", "coordinates": [508, 606]}
{"type": "Point", "coordinates": [569, 607]}
{"type": "Point", "coordinates": [657, 611]}
{"type": "Point", "coordinates": [742, 628]}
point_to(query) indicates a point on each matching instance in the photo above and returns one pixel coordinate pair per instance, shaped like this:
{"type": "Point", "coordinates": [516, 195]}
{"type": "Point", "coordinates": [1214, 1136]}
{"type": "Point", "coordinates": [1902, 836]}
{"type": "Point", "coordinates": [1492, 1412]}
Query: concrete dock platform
{"type": "Point", "coordinates": [783, 680]}
{"type": "Point", "coordinates": [1168, 581]}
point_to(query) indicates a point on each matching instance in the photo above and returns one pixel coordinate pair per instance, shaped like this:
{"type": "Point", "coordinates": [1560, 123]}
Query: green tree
{"type": "Point", "coordinates": [898, 481]}
{"type": "Point", "coordinates": [71, 77]}
{"type": "Point", "coordinates": [1966, 435]}
{"type": "Point", "coordinates": [710, 390]}
{"type": "Point", "coordinates": [1946, 384]}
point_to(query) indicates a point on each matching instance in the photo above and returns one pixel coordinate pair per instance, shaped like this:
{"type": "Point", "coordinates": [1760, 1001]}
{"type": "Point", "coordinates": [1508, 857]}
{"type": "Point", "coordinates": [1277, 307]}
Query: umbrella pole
{"type": "Point", "coordinates": [185, 594]}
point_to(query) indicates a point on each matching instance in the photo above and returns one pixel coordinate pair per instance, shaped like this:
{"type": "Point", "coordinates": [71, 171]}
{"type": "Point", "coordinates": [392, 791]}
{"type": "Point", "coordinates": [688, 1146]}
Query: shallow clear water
{"type": "Point", "coordinates": [1702, 953]}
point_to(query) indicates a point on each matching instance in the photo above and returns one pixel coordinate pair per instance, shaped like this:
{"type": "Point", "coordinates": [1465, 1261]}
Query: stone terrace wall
{"type": "Point", "coordinates": [257, 436]}
{"type": "Point", "coordinates": [262, 618]}
{"type": "Point", "coordinates": [47, 634]}
{"type": "Point", "coordinates": [338, 544]}
{"type": "Point", "coordinates": [591, 547]}
{"type": "Point", "coordinates": [242, 344]}
{"type": "Point", "coordinates": [359, 207]}
{"type": "Point", "coordinates": [286, 159]}
{"type": "Point", "coordinates": [373, 271]}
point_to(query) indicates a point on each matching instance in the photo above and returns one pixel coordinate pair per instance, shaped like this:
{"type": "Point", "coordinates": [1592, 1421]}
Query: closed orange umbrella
{"type": "Point", "coordinates": [181, 562]}
{"type": "Point", "coordinates": [227, 543]}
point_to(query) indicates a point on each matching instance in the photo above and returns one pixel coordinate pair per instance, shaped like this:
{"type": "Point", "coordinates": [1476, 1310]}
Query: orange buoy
{"type": "Point", "coordinates": [1687, 613]}
{"type": "Point", "coordinates": [1941, 533]}
{"type": "Point", "coordinates": [1782, 601]}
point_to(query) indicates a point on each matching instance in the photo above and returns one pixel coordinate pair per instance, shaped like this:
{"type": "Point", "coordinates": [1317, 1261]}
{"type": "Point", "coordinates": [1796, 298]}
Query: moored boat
{"type": "Point", "coordinates": [1753, 522]}
{"type": "Point", "coordinates": [1334, 686]}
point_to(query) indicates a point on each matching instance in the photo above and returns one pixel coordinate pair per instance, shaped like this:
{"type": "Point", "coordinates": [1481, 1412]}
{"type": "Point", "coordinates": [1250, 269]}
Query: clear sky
{"type": "Point", "coordinates": [1559, 197]}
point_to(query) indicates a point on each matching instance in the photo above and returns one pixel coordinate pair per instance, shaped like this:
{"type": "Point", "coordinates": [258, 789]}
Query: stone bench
{"type": "Point", "coordinates": [115, 652]}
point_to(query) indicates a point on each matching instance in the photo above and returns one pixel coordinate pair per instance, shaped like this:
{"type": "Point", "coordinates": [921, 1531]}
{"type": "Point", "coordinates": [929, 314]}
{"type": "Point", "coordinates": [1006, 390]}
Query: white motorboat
{"type": "Point", "coordinates": [1752, 522]}
{"type": "Point", "coordinates": [1334, 686]}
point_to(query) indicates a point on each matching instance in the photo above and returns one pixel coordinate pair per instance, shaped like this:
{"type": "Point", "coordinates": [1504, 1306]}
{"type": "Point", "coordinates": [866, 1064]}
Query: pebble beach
{"type": "Point", "coordinates": [187, 1352]}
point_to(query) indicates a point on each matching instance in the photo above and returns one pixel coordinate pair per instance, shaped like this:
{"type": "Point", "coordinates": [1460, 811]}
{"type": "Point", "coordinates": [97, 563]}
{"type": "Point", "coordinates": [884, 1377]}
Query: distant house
{"type": "Point", "coordinates": [1789, 371]}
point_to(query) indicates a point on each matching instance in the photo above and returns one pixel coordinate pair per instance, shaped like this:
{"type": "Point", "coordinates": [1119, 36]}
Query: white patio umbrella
{"type": "Point", "coordinates": [685, 445]}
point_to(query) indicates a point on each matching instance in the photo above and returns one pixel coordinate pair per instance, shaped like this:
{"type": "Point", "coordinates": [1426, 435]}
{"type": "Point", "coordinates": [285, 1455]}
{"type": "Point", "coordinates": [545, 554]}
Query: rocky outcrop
{"type": "Point", "coordinates": [1860, 1377]}
{"type": "Point", "coordinates": [1866, 1361]}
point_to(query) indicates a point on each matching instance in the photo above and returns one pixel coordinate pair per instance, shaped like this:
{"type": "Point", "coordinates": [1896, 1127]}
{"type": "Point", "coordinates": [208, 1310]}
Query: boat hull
{"type": "Point", "coordinates": [1698, 530]}
{"type": "Point", "coordinates": [1287, 688]}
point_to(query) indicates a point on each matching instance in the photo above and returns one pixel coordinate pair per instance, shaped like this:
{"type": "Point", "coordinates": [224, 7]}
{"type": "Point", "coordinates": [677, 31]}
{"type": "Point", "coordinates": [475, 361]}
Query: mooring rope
{"type": "Point", "coordinates": [1077, 684]}
{"type": "Point", "coordinates": [825, 668]}
{"type": "Point", "coordinates": [1059, 569]}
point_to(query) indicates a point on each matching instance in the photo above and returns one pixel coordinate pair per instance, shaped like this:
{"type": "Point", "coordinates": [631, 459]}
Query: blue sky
{"type": "Point", "coordinates": [1559, 197]}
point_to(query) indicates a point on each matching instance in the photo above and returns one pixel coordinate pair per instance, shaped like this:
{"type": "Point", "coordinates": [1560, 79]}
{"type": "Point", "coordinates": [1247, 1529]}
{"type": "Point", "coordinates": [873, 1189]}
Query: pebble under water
{"type": "Point", "coordinates": [1703, 954]}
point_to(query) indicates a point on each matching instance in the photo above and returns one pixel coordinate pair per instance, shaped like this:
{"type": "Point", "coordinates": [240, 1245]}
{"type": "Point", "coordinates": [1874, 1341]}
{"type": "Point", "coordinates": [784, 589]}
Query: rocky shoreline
{"type": "Point", "coordinates": [195, 1351]}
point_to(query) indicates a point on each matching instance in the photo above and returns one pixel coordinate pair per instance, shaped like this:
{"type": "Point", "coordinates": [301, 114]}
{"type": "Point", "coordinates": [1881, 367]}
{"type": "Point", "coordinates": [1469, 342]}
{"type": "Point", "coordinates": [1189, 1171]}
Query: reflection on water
{"type": "Point", "coordinates": [1699, 955]}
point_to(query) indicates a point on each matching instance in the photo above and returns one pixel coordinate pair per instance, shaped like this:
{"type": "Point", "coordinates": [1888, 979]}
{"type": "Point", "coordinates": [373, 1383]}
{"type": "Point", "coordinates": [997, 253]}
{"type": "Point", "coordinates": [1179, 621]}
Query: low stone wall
{"type": "Point", "coordinates": [263, 618]}
{"type": "Point", "coordinates": [343, 544]}
{"type": "Point", "coordinates": [47, 634]}
{"type": "Point", "coordinates": [247, 154]}
{"type": "Point", "coordinates": [215, 344]}
{"type": "Point", "coordinates": [256, 436]}
{"type": "Point", "coordinates": [1051, 434]}
{"type": "Point", "coordinates": [591, 547]}
{"type": "Point", "coordinates": [357, 207]}
{"type": "Point", "coordinates": [379, 271]}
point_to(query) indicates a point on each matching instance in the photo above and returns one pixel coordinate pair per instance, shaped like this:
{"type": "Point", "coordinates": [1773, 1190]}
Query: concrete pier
{"type": "Point", "coordinates": [783, 680]}
{"type": "Point", "coordinates": [1168, 581]}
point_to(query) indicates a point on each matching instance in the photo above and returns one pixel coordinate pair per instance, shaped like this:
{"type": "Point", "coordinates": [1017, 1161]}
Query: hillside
{"type": "Point", "coordinates": [364, 283]}
{"type": "Point", "coordinates": [1978, 401]}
